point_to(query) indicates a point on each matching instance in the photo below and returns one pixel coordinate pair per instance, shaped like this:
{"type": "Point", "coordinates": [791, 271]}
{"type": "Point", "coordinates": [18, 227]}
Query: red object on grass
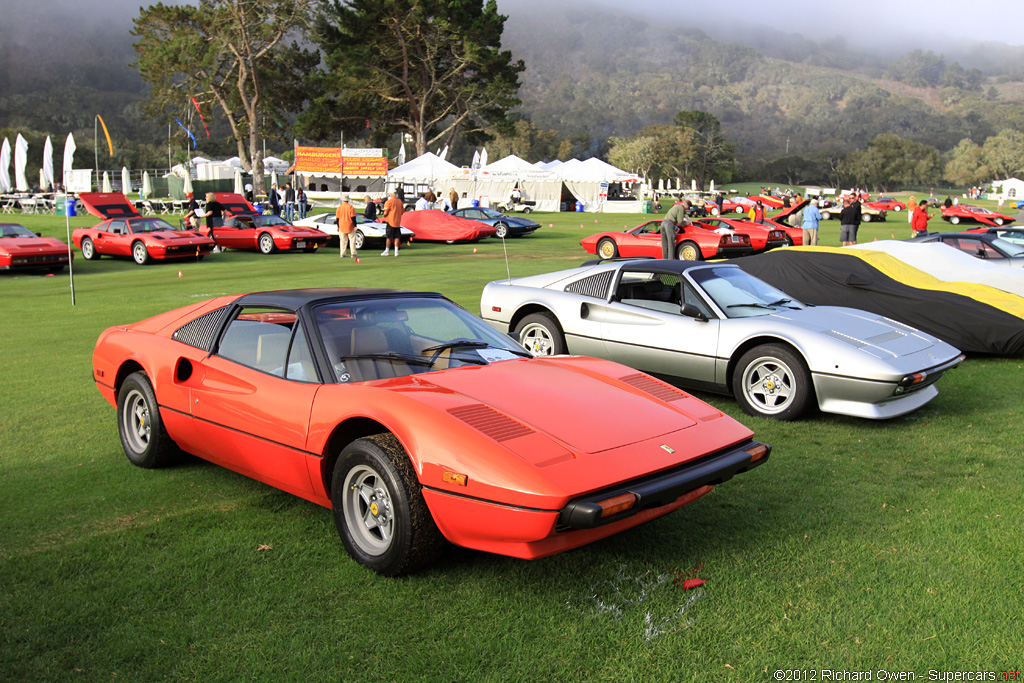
{"type": "Point", "coordinates": [692, 583]}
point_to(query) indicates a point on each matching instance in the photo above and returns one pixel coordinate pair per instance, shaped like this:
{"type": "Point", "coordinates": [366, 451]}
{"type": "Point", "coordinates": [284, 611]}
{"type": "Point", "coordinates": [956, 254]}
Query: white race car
{"type": "Point", "coordinates": [365, 230]}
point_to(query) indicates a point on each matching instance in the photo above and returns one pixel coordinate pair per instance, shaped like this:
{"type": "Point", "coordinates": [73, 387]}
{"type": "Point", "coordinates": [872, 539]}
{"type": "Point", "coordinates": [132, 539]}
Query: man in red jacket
{"type": "Point", "coordinates": [919, 220]}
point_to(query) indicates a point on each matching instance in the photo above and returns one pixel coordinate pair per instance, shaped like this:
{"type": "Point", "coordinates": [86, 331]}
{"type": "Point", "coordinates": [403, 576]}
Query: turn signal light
{"type": "Point", "coordinates": [757, 452]}
{"type": "Point", "coordinates": [615, 505]}
{"type": "Point", "coordinates": [496, 309]}
{"type": "Point", "coordinates": [454, 478]}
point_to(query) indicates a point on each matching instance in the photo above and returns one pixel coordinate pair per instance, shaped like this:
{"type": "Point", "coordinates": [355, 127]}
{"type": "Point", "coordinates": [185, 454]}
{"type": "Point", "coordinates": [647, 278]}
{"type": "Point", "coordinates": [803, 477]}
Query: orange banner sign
{"type": "Point", "coordinates": [327, 161]}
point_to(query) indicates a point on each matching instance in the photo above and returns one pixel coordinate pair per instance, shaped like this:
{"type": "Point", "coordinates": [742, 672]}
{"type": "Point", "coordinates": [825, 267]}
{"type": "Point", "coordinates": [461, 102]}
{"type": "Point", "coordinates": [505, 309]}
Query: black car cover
{"type": "Point", "coordinates": [840, 280]}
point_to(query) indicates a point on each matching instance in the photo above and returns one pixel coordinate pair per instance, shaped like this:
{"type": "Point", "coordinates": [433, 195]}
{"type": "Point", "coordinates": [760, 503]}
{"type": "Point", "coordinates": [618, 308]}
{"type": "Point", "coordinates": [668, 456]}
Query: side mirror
{"type": "Point", "coordinates": [691, 311]}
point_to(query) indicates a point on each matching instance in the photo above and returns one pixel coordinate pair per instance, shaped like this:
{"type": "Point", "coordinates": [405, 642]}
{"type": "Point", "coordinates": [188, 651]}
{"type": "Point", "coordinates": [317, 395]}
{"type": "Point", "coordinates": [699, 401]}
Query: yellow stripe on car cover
{"type": "Point", "coordinates": [892, 267]}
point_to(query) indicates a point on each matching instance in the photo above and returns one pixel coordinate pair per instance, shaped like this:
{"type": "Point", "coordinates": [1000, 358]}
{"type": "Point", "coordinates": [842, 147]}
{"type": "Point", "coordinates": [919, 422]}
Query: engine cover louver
{"type": "Point", "coordinates": [489, 421]}
{"type": "Point", "coordinates": [659, 390]}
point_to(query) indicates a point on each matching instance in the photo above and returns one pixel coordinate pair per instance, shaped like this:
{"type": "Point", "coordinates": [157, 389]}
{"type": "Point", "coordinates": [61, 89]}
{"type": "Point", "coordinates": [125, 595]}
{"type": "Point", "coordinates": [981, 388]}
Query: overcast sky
{"type": "Point", "coordinates": [870, 22]}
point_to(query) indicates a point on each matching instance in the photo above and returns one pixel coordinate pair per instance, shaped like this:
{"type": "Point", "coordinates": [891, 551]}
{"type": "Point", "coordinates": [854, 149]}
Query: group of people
{"type": "Point", "coordinates": [288, 201]}
{"type": "Point", "coordinates": [391, 214]}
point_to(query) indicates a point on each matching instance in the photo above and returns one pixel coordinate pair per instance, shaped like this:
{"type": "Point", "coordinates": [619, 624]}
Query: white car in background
{"type": "Point", "coordinates": [365, 230]}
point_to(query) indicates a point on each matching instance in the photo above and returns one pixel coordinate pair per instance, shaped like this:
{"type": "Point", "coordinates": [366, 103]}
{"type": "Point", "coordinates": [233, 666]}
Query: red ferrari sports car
{"type": "Point", "coordinates": [22, 249]}
{"type": "Point", "coordinates": [126, 233]}
{"type": "Point", "coordinates": [434, 225]}
{"type": "Point", "coordinates": [246, 228]}
{"type": "Point", "coordinates": [974, 214]}
{"type": "Point", "coordinates": [736, 205]}
{"type": "Point", "coordinates": [887, 204]}
{"type": "Point", "coordinates": [693, 243]}
{"type": "Point", "coordinates": [414, 420]}
{"type": "Point", "coordinates": [763, 237]}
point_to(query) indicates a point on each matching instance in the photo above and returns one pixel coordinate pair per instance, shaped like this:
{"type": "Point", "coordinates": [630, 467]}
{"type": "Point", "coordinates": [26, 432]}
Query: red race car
{"type": "Point", "coordinates": [887, 204]}
{"type": "Point", "coordinates": [763, 237]}
{"type": "Point", "coordinates": [974, 214]}
{"type": "Point", "coordinates": [245, 228]}
{"type": "Point", "coordinates": [736, 205]}
{"type": "Point", "coordinates": [693, 243]}
{"type": "Point", "coordinates": [434, 225]}
{"type": "Point", "coordinates": [22, 249]}
{"type": "Point", "coordinates": [126, 233]}
{"type": "Point", "coordinates": [414, 420]}
{"type": "Point", "coordinates": [769, 200]}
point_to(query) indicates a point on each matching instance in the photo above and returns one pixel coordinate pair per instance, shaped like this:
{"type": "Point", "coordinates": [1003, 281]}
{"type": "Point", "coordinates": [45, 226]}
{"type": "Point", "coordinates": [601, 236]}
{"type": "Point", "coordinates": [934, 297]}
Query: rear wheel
{"type": "Point", "coordinates": [139, 425]}
{"type": "Point", "coordinates": [89, 250]}
{"type": "Point", "coordinates": [379, 508]}
{"type": "Point", "coordinates": [140, 254]}
{"type": "Point", "coordinates": [772, 381]}
{"type": "Point", "coordinates": [999, 221]}
{"type": "Point", "coordinates": [867, 218]}
{"type": "Point", "coordinates": [266, 243]}
{"type": "Point", "coordinates": [955, 220]}
{"type": "Point", "coordinates": [540, 334]}
{"type": "Point", "coordinates": [527, 209]}
{"type": "Point", "coordinates": [607, 248]}
{"type": "Point", "coordinates": [688, 251]}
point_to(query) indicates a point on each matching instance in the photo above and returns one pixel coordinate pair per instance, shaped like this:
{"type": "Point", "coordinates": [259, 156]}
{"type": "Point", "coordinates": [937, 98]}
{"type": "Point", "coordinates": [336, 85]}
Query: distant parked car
{"type": "Point", "coordinates": [974, 214]}
{"type": "Point", "coordinates": [504, 225]}
{"type": "Point", "coordinates": [867, 213]}
{"type": "Point", "coordinates": [887, 203]}
{"type": "Point", "coordinates": [980, 245]}
{"type": "Point", "coordinates": [693, 243]}
{"type": "Point", "coordinates": [22, 249]}
{"type": "Point", "coordinates": [365, 230]}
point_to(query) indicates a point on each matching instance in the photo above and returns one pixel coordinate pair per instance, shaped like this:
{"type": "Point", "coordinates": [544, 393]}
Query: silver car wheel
{"type": "Point", "coordinates": [139, 253]}
{"type": "Point", "coordinates": [136, 422]}
{"type": "Point", "coordinates": [769, 385]}
{"type": "Point", "coordinates": [266, 243]}
{"type": "Point", "coordinates": [368, 510]}
{"type": "Point", "coordinates": [358, 240]}
{"type": "Point", "coordinates": [537, 338]}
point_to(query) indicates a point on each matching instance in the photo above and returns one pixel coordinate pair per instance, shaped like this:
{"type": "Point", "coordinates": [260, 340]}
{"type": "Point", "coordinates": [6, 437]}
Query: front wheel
{"type": "Point", "coordinates": [688, 251]}
{"type": "Point", "coordinates": [379, 508]}
{"type": "Point", "coordinates": [607, 248]}
{"type": "Point", "coordinates": [89, 250]}
{"type": "Point", "coordinates": [999, 221]}
{"type": "Point", "coordinates": [540, 334]}
{"type": "Point", "coordinates": [896, 208]}
{"type": "Point", "coordinates": [772, 381]}
{"type": "Point", "coordinates": [140, 253]}
{"type": "Point", "coordinates": [358, 240]}
{"type": "Point", "coordinates": [955, 220]}
{"type": "Point", "coordinates": [502, 230]}
{"type": "Point", "coordinates": [266, 243]}
{"type": "Point", "coordinates": [139, 424]}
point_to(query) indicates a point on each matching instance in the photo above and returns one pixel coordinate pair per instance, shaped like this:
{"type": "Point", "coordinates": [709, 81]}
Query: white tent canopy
{"type": "Point", "coordinates": [427, 168]}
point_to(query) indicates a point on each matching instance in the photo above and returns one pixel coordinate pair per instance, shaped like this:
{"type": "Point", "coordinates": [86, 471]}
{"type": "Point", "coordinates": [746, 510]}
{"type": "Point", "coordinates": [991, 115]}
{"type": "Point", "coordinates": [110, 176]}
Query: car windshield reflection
{"type": "Point", "coordinates": [150, 225]}
{"type": "Point", "coordinates": [741, 295]}
{"type": "Point", "coordinates": [15, 230]}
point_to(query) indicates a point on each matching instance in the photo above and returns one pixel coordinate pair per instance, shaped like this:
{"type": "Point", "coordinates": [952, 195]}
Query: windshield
{"type": "Point", "coordinates": [491, 213]}
{"type": "Point", "coordinates": [141, 225]}
{"type": "Point", "coordinates": [367, 340]}
{"type": "Point", "coordinates": [741, 295]}
{"type": "Point", "coordinates": [1007, 247]}
{"type": "Point", "coordinates": [15, 230]}
{"type": "Point", "coordinates": [268, 220]}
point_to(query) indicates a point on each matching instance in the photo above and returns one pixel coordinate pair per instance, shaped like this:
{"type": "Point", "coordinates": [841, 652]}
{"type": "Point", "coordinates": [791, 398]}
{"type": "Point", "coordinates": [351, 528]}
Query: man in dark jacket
{"type": "Point", "coordinates": [849, 220]}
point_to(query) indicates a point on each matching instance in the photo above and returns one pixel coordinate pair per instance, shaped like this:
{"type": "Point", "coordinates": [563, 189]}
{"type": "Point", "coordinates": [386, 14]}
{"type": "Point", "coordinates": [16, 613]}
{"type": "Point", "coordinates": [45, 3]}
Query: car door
{"type": "Point", "coordinates": [113, 239]}
{"type": "Point", "coordinates": [642, 327]}
{"type": "Point", "coordinates": [252, 397]}
{"type": "Point", "coordinates": [642, 241]}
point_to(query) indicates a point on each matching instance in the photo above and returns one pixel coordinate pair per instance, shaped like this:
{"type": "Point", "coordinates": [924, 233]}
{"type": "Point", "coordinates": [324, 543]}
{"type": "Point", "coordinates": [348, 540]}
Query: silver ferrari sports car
{"type": "Point", "coordinates": [714, 327]}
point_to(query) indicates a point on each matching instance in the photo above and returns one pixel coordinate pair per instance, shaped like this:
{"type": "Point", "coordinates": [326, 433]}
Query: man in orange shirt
{"type": "Point", "coordinates": [393, 211]}
{"type": "Point", "coordinates": [346, 215]}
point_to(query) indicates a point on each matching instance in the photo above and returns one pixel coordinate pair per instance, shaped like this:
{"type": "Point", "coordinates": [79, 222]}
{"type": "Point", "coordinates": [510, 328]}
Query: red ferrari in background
{"type": "Point", "coordinates": [763, 237]}
{"type": "Point", "coordinates": [693, 243]}
{"type": "Point", "coordinates": [768, 200]}
{"type": "Point", "coordinates": [736, 205]}
{"type": "Point", "coordinates": [245, 228]}
{"type": "Point", "coordinates": [22, 249]}
{"type": "Point", "coordinates": [887, 204]}
{"type": "Point", "coordinates": [434, 225]}
{"type": "Point", "coordinates": [974, 214]}
{"type": "Point", "coordinates": [126, 233]}
{"type": "Point", "coordinates": [415, 421]}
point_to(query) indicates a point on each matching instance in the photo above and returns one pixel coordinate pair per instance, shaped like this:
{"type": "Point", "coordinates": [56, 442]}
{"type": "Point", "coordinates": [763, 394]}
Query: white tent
{"type": "Point", "coordinates": [591, 181]}
{"type": "Point", "coordinates": [509, 165]}
{"type": "Point", "coordinates": [426, 169]}
{"type": "Point", "coordinates": [5, 166]}
{"type": "Point", "coordinates": [271, 164]}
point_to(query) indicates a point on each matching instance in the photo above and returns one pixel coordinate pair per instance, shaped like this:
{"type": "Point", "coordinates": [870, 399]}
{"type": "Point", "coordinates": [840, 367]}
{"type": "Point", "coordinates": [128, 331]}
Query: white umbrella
{"type": "Point", "coordinates": [126, 181]}
{"type": "Point", "coordinates": [106, 182]}
{"type": "Point", "coordinates": [273, 178]}
{"type": "Point", "coordinates": [188, 184]}
{"type": "Point", "coordinates": [693, 184]}
{"type": "Point", "coordinates": [238, 181]}
{"type": "Point", "coordinates": [712, 185]}
{"type": "Point", "coordinates": [444, 153]}
{"type": "Point", "coordinates": [661, 184]}
{"type": "Point", "coordinates": [47, 169]}
{"type": "Point", "coordinates": [483, 157]}
{"type": "Point", "coordinates": [5, 166]}
{"type": "Point", "coordinates": [147, 184]}
{"type": "Point", "coordinates": [476, 158]}
{"type": "Point", "coordinates": [20, 159]}
{"type": "Point", "coordinates": [69, 159]}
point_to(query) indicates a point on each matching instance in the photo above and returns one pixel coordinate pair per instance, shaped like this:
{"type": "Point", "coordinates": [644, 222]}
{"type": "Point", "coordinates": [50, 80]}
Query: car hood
{"type": "Point", "coordinates": [176, 236]}
{"type": "Point", "coordinates": [869, 332]}
{"type": "Point", "coordinates": [616, 414]}
{"type": "Point", "coordinates": [30, 243]}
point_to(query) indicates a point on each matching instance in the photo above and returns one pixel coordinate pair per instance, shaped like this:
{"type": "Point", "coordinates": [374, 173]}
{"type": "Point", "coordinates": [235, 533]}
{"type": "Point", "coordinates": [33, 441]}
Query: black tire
{"type": "Point", "coordinates": [688, 251]}
{"type": "Point", "coordinates": [773, 381]}
{"type": "Point", "coordinates": [540, 334]}
{"type": "Point", "coordinates": [140, 427]}
{"type": "Point", "coordinates": [379, 508]}
{"type": "Point", "coordinates": [502, 229]}
{"type": "Point", "coordinates": [266, 243]}
{"type": "Point", "coordinates": [527, 209]}
{"type": "Point", "coordinates": [606, 248]}
{"type": "Point", "coordinates": [140, 253]}
{"type": "Point", "coordinates": [89, 252]}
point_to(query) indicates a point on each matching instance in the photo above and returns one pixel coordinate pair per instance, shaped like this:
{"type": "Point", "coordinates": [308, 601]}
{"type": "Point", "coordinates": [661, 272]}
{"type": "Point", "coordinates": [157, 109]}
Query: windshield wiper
{"type": "Point", "coordinates": [464, 343]}
{"type": "Point", "coordinates": [390, 355]}
{"type": "Point", "coordinates": [780, 302]}
{"type": "Point", "coordinates": [753, 304]}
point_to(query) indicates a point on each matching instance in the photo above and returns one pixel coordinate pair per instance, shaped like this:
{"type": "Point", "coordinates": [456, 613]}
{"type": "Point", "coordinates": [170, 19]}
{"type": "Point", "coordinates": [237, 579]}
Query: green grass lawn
{"type": "Point", "coordinates": [859, 546]}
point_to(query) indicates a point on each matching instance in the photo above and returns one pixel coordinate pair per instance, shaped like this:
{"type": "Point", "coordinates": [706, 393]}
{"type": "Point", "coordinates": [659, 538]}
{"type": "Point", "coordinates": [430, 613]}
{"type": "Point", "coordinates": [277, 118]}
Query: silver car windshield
{"type": "Point", "coordinates": [740, 295]}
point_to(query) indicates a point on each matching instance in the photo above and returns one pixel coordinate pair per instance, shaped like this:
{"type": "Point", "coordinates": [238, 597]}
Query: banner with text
{"type": "Point", "coordinates": [327, 161]}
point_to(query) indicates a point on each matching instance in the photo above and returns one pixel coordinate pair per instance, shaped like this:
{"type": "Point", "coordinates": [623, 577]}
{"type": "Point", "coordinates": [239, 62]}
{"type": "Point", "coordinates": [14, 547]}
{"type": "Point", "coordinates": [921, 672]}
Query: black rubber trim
{"type": "Point", "coordinates": [662, 488]}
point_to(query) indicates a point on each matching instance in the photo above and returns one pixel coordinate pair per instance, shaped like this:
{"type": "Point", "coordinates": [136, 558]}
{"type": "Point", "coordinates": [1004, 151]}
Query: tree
{"type": "Point", "coordinates": [1004, 154]}
{"type": "Point", "coordinates": [637, 154]}
{"type": "Point", "coordinates": [431, 68]}
{"type": "Point", "coordinates": [966, 165]}
{"type": "Point", "coordinates": [230, 53]}
{"type": "Point", "coordinates": [714, 156]}
{"type": "Point", "coordinates": [890, 160]}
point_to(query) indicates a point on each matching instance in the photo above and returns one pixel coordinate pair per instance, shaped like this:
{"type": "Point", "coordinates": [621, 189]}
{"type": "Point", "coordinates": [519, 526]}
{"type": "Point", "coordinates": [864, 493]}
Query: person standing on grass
{"type": "Point", "coordinates": [393, 210]}
{"type": "Point", "coordinates": [857, 213]}
{"type": "Point", "coordinates": [675, 217]}
{"type": "Point", "coordinates": [919, 219]}
{"type": "Point", "coordinates": [847, 228]}
{"type": "Point", "coordinates": [289, 203]}
{"type": "Point", "coordinates": [810, 224]}
{"type": "Point", "coordinates": [370, 212]}
{"type": "Point", "coordinates": [346, 215]}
